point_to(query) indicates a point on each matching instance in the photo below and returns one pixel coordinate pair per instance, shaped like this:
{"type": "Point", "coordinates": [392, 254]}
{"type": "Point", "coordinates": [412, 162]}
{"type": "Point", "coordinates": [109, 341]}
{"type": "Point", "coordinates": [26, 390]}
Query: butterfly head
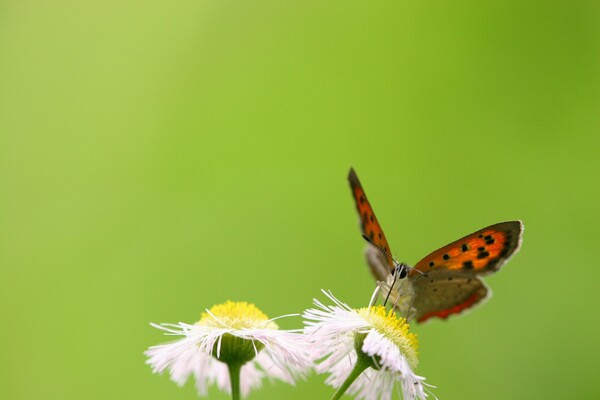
{"type": "Point", "coordinates": [401, 270]}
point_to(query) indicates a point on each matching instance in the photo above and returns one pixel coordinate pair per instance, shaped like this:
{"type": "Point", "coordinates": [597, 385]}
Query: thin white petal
{"type": "Point", "coordinates": [285, 356]}
{"type": "Point", "coordinates": [332, 328]}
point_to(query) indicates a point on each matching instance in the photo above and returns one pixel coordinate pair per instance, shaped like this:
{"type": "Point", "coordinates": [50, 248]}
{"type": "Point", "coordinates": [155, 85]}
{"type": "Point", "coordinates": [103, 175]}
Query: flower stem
{"type": "Point", "coordinates": [234, 378]}
{"type": "Point", "coordinates": [362, 363]}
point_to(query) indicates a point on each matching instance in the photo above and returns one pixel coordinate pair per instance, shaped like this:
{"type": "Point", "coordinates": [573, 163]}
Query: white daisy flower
{"type": "Point", "coordinates": [364, 351]}
{"type": "Point", "coordinates": [235, 346]}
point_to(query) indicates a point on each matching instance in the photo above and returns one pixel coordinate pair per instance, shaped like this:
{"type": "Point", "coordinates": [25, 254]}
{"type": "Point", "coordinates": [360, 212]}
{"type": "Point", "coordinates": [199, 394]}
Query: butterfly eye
{"type": "Point", "coordinates": [401, 270]}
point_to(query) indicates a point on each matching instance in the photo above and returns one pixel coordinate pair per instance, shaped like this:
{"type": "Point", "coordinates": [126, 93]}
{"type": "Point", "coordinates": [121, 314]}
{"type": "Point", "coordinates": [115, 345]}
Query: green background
{"type": "Point", "coordinates": [159, 157]}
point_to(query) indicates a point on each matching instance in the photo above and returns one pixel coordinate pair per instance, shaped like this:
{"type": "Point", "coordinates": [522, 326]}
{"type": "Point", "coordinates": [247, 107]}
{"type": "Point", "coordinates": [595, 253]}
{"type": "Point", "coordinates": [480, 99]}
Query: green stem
{"type": "Point", "coordinates": [362, 363]}
{"type": "Point", "coordinates": [234, 377]}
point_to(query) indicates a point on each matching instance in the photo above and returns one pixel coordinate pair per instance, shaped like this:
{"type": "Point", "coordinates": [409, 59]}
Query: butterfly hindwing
{"type": "Point", "coordinates": [480, 253]}
{"type": "Point", "coordinates": [368, 221]}
{"type": "Point", "coordinates": [443, 293]}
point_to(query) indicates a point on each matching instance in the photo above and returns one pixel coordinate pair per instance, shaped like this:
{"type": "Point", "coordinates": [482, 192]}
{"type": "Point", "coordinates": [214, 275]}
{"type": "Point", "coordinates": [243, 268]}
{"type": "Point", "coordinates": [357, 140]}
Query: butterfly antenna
{"type": "Point", "coordinates": [401, 267]}
{"type": "Point", "coordinates": [381, 249]}
{"type": "Point", "coordinates": [400, 271]}
{"type": "Point", "coordinates": [421, 273]}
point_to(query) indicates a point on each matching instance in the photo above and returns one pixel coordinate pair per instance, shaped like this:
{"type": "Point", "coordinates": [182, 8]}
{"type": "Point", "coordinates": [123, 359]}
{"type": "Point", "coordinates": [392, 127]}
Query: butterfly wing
{"type": "Point", "coordinates": [445, 293]}
{"type": "Point", "coordinates": [368, 221]}
{"type": "Point", "coordinates": [446, 281]}
{"type": "Point", "coordinates": [378, 263]}
{"type": "Point", "coordinates": [481, 252]}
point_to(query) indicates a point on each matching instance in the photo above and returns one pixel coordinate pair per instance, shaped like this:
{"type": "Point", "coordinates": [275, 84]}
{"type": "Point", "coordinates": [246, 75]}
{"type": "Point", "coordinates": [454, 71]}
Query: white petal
{"type": "Point", "coordinates": [285, 356]}
{"type": "Point", "coordinates": [331, 330]}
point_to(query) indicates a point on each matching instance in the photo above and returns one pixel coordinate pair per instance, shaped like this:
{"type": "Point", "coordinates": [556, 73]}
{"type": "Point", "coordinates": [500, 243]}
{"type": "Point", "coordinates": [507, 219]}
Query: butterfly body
{"type": "Point", "coordinates": [447, 281]}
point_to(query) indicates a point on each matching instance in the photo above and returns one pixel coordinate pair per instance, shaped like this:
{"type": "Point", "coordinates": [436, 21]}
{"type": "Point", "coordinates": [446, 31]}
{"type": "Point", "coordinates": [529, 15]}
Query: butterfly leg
{"type": "Point", "coordinates": [375, 294]}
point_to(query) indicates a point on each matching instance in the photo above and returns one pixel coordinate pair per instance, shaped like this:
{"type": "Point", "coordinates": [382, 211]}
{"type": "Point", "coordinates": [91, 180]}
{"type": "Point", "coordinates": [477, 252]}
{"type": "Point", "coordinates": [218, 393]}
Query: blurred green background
{"type": "Point", "coordinates": [159, 157]}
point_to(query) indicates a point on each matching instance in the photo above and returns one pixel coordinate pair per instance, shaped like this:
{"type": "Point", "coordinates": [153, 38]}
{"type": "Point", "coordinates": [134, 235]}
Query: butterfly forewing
{"type": "Point", "coordinates": [368, 221]}
{"type": "Point", "coordinates": [479, 253]}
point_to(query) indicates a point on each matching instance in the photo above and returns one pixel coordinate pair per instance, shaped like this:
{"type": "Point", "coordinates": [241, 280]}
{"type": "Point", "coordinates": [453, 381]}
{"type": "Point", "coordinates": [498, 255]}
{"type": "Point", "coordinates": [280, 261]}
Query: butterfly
{"type": "Point", "coordinates": [445, 282]}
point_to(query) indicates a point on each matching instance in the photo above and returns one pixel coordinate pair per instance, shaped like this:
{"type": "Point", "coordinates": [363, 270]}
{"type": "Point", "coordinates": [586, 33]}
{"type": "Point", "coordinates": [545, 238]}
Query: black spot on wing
{"type": "Point", "coordinates": [483, 254]}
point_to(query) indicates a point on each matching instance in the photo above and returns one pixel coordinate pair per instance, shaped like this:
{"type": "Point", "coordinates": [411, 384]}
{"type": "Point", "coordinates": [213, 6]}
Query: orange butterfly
{"type": "Point", "coordinates": [446, 281]}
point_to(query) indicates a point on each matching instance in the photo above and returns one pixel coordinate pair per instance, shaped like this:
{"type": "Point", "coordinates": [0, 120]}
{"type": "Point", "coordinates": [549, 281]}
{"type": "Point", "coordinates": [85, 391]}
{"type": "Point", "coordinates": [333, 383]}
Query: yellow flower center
{"type": "Point", "coordinates": [236, 315]}
{"type": "Point", "coordinates": [394, 329]}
